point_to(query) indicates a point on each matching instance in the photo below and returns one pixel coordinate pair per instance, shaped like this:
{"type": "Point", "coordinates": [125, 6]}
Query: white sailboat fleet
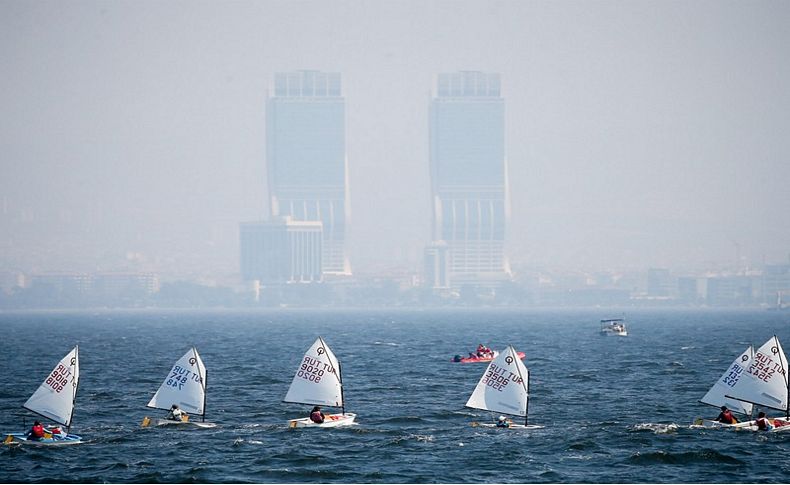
{"type": "Point", "coordinates": [54, 400]}
{"type": "Point", "coordinates": [504, 388]}
{"type": "Point", "coordinates": [754, 379]}
{"type": "Point", "coordinates": [318, 382]}
{"type": "Point", "coordinates": [184, 386]}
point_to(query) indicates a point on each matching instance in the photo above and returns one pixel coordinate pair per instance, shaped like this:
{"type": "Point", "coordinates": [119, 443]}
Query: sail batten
{"type": "Point", "coordinates": [54, 398]}
{"type": "Point", "coordinates": [317, 380]}
{"type": "Point", "coordinates": [718, 394]}
{"type": "Point", "coordinates": [184, 385]}
{"type": "Point", "coordinates": [503, 387]}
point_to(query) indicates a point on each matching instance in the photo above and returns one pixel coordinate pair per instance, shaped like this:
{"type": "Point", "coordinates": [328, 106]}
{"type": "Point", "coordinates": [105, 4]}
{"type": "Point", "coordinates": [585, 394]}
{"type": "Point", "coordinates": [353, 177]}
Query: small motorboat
{"type": "Point", "coordinates": [614, 326]}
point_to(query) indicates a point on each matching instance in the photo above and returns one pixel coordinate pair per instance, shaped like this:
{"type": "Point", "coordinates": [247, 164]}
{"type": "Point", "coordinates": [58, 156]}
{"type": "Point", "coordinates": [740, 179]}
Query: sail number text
{"type": "Point", "coordinates": [763, 367]}
{"type": "Point", "coordinates": [59, 378]}
{"type": "Point", "coordinates": [180, 376]}
{"type": "Point", "coordinates": [498, 377]}
{"type": "Point", "coordinates": [735, 374]}
{"type": "Point", "coordinates": [313, 369]}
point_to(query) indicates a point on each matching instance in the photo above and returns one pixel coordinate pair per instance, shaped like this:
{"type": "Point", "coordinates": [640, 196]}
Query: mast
{"type": "Point", "coordinates": [342, 398]}
{"type": "Point", "coordinates": [204, 383]}
{"type": "Point", "coordinates": [526, 408]}
{"type": "Point", "coordinates": [787, 381]}
{"type": "Point", "coordinates": [338, 373]}
{"type": "Point", "coordinates": [75, 384]}
{"type": "Point", "coordinates": [514, 356]}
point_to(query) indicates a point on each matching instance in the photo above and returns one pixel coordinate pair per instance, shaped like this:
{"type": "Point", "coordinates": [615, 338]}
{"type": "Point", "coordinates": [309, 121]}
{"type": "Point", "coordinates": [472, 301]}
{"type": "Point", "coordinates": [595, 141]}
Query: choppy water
{"type": "Point", "coordinates": [615, 409]}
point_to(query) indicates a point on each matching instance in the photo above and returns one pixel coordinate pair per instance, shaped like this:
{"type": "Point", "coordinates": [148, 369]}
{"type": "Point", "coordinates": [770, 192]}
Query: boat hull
{"type": "Point", "coordinates": [780, 425]}
{"type": "Point", "coordinates": [330, 421]}
{"type": "Point", "coordinates": [472, 360]}
{"type": "Point", "coordinates": [21, 439]}
{"type": "Point", "coordinates": [155, 422]}
{"type": "Point", "coordinates": [512, 426]}
{"type": "Point", "coordinates": [709, 423]}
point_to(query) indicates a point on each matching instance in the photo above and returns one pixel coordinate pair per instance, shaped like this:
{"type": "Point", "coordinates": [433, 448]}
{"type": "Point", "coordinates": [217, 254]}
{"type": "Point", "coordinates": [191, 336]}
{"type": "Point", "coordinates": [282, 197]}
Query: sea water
{"type": "Point", "coordinates": [615, 409]}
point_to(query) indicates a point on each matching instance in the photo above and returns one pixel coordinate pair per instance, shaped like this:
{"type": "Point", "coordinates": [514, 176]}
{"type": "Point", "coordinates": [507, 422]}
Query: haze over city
{"type": "Point", "coordinates": [637, 134]}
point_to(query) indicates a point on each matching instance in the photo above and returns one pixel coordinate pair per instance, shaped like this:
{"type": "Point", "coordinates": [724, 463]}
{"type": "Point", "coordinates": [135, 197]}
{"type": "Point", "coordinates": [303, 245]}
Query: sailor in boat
{"type": "Point", "coordinates": [483, 351]}
{"type": "Point", "coordinates": [725, 416]}
{"type": "Point", "coordinates": [762, 422]}
{"type": "Point", "coordinates": [176, 414]}
{"type": "Point", "coordinates": [316, 415]}
{"type": "Point", "coordinates": [36, 433]}
{"type": "Point", "coordinates": [57, 433]}
{"type": "Point", "coordinates": [502, 422]}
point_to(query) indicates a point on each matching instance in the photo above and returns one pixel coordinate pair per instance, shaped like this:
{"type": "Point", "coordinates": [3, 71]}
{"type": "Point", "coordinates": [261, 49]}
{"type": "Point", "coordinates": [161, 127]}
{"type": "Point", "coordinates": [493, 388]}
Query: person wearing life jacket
{"type": "Point", "coordinates": [726, 417]}
{"type": "Point", "coordinates": [316, 415]}
{"type": "Point", "coordinates": [762, 422]}
{"type": "Point", "coordinates": [36, 433]}
{"type": "Point", "coordinates": [502, 422]}
{"type": "Point", "coordinates": [57, 433]}
{"type": "Point", "coordinates": [175, 413]}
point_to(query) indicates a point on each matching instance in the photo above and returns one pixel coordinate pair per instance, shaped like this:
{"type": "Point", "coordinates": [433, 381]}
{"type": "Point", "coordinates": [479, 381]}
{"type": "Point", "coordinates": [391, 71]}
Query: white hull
{"type": "Point", "coordinates": [709, 423]}
{"type": "Point", "coordinates": [612, 333]}
{"type": "Point", "coordinates": [330, 421]}
{"type": "Point", "coordinates": [780, 425]}
{"type": "Point", "coordinates": [150, 422]}
{"type": "Point", "coordinates": [512, 426]}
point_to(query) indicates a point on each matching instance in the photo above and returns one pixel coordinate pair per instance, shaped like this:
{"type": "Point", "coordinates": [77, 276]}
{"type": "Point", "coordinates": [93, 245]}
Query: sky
{"type": "Point", "coordinates": [638, 133]}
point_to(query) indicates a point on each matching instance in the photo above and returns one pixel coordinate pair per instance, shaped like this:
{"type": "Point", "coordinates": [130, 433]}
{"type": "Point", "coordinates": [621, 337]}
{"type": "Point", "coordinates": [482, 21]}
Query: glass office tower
{"type": "Point", "coordinates": [306, 158]}
{"type": "Point", "coordinates": [469, 176]}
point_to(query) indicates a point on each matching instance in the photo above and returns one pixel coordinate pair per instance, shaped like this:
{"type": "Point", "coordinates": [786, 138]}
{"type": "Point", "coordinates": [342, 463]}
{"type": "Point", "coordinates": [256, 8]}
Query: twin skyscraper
{"type": "Point", "coordinates": [304, 239]}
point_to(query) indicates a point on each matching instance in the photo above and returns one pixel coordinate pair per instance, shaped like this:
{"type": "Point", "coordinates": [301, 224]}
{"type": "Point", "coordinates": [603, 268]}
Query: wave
{"type": "Point", "coordinates": [404, 420]}
{"type": "Point", "coordinates": [683, 458]}
{"type": "Point", "coordinates": [657, 428]}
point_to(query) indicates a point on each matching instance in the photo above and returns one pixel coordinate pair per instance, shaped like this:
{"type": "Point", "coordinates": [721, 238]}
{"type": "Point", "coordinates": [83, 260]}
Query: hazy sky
{"type": "Point", "coordinates": [639, 133]}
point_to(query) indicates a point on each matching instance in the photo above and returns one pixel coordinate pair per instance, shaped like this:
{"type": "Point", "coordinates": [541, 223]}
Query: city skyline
{"type": "Point", "coordinates": [134, 138]}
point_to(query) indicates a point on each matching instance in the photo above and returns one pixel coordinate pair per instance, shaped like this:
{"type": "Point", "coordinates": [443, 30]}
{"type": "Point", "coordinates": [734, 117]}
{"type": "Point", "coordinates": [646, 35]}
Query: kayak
{"type": "Point", "coordinates": [488, 358]}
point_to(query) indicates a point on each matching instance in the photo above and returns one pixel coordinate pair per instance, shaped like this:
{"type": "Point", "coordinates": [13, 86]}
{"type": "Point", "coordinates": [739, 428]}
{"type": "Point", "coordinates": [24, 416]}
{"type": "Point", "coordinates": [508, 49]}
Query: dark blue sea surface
{"type": "Point", "coordinates": [614, 409]}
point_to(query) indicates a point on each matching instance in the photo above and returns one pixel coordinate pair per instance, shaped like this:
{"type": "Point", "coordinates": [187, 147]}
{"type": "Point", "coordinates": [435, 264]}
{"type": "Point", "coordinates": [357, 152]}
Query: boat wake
{"type": "Point", "coordinates": [684, 458]}
{"type": "Point", "coordinates": [656, 428]}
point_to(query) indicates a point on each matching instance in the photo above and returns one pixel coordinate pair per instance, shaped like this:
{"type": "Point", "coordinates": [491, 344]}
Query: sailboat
{"type": "Point", "coordinates": [184, 386]}
{"type": "Point", "coordinates": [765, 382]}
{"type": "Point", "coordinates": [54, 400]}
{"type": "Point", "coordinates": [504, 388]}
{"type": "Point", "coordinates": [717, 395]}
{"type": "Point", "coordinates": [318, 381]}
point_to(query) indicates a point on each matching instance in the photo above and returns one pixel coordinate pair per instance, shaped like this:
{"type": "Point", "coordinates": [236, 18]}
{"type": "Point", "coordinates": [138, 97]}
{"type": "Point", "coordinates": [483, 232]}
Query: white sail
{"type": "Point", "coordinates": [54, 398]}
{"type": "Point", "coordinates": [503, 387]}
{"type": "Point", "coordinates": [317, 379]}
{"type": "Point", "coordinates": [716, 396]}
{"type": "Point", "coordinates": [765, 381]}
{"type": "Point", "coordinates": [185, 385]}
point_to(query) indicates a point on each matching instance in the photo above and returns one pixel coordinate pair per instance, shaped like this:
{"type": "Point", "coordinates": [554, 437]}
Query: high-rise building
{"type": "Point", "coordinates": [436, 267]}
{"type": "Point", "coordinates": [469, 176]}
{"type": "Point", "coordinates": [281, 251]}
{"type": "Point", "coordinates": [306, 158]}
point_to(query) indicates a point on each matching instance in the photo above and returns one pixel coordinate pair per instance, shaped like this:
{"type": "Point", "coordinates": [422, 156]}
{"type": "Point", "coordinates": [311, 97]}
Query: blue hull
{"type": "Point", "coordinates": [21, 439]}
